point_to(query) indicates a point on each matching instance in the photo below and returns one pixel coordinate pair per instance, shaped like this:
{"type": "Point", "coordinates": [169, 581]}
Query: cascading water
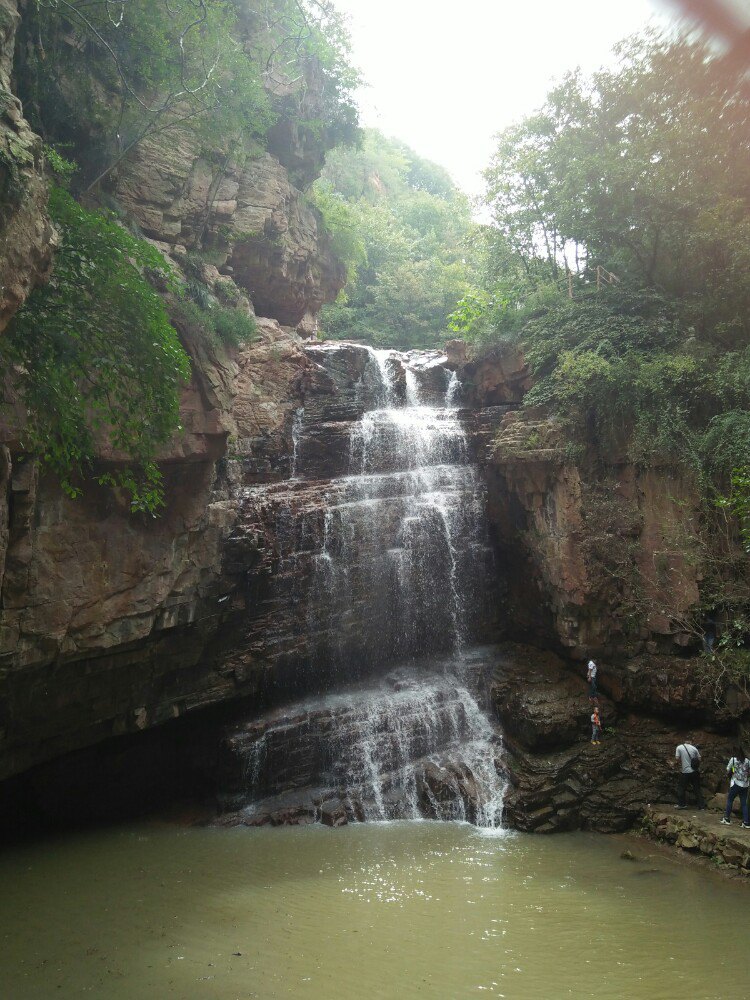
{"type": "Point", "coordinates": [405, 557]}
{"type": "Point", "coordinates": [393, 565]}
{"type": "Point", "coordinates": [417, 745]}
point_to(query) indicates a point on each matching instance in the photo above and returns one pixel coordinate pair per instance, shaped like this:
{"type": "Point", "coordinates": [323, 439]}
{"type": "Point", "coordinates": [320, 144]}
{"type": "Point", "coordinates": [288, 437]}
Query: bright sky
{"type": "Point", "coordinates": [446, 75]}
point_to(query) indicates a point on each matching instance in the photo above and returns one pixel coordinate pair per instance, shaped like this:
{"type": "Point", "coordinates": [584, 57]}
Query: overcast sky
{"type": "Point", "coordinates": [446, 76]}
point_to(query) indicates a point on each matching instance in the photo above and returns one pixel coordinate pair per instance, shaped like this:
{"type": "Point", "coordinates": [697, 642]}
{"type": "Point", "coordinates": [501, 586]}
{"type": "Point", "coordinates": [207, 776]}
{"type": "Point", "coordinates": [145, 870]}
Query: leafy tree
{"type": "Point", "coordinates": [340, 221]}
{"type": "Point", "coordinates": [642, 171]}
{"type": "Point", "coordinates": [95, 358]}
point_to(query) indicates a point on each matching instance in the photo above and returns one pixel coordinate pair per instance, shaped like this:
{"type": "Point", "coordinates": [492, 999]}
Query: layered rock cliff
{"type": "Point", "coordinates": [606, 554]}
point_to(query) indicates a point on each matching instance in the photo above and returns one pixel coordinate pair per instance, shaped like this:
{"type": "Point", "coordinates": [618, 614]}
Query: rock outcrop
{"type": "Point", "coordinates": [101, 609]}
{"type": "Point", "coordinates": [560, 781]}
{"type": "Point", "coordinates": [701, 836]}
{"type": "Point", "coordinates": [260, 228]}
{"type": "Point", "coordinates": [113, 623]}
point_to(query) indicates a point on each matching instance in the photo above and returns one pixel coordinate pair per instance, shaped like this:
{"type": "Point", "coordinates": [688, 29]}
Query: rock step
{"type": "Point", "coordinates": [701, 833]}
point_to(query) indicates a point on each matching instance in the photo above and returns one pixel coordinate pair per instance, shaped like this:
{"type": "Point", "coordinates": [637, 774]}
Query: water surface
{"type": "Point", "coordinates": [381, 910]}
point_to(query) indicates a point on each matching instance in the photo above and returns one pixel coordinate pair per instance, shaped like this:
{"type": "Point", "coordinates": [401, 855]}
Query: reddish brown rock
{"type": "Point", "coordinates": [246, 208]}
{"type": "Point", "coordinates": [496, 377]}
{"type": "Point", "coordinates": [605, 554]}
{"type": "Point", "coordinates": [28, 238]}
{"type": "Point", "coordinates": [541, 702]}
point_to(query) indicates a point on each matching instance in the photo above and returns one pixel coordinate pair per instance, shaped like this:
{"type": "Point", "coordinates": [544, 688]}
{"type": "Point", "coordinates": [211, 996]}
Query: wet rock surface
{"type": "Point", "coordinates": [113, 624]}
{"type": "Point", "coordinates": [300, 520]}
{"type": "Point", "coordinates": [558, 779]}
{"type": "Point", "coordinates": [28, 237]}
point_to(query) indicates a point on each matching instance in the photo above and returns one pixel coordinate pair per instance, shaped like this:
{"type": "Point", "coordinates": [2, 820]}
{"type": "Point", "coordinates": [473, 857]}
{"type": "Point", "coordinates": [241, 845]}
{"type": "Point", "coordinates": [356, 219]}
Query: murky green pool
{"type": "Point", "coordinates": [403, 910]}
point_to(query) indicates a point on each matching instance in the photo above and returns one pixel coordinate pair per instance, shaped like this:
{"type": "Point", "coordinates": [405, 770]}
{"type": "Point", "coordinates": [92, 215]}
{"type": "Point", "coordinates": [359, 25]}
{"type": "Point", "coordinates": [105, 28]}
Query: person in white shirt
{"type": "Point", "coordinates": [738, 770]}
{"type": "Point", "coordinates": [591, 678]}
{"type": "Point", "coordinates": [688, 755]}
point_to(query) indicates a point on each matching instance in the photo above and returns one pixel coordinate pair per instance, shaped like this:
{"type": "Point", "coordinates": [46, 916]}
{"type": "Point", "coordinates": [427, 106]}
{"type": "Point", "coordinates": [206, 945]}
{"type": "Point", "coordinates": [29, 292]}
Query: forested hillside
{"type": "Point", "coordinates": [403, 227]}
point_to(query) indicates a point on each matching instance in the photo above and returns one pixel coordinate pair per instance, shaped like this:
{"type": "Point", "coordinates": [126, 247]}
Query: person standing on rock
{"type": "Point", "coordinates": [689, 758]}
{"type": "Point", "coordinates": [596, 727]}
{"type": "Point", "coordinates": [738, 770]}
{"type": "Point", "coordinates": [591, 678]}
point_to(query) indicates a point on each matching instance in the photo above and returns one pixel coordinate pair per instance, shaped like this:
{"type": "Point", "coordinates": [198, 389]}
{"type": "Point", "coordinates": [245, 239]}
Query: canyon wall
{"type": "Point", "coordinates": [111, 622]}
{"type": "Point", "coordinates": [605, 554]}
{"type": "Point", "coordinates": [114, 624]}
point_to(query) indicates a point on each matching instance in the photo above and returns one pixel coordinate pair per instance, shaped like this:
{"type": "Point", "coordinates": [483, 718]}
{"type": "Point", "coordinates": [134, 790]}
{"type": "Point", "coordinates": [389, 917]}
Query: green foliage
{"type": "Point", "coordinates": [219, 325]}
{"type": "Point", "coordinates": [232, 326]}
{"type": "Point", "coordinates": [105, 76]}
{"type": "Point", "coordinates": [340, 222]}
{"type": "Point", "coordinates": [302, 40]}
{"type": "Point", "coordinates": [407, 226]}
{"type": "Point", "coordinates": [644, 170]}
{"type": "Point", "coordinates": [738, 503]}
{"type": "Point", "coordinates": [95, 358]}
{"type": "Point", "coordinates": [61, 167]}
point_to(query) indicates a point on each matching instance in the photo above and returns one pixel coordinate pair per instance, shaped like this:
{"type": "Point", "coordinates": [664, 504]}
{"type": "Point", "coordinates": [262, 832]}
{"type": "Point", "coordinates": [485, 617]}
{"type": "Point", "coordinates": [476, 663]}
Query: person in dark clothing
{"type": "Point", "coordinates": [738, 770]}
{"type": "Point", "coordinates": [689, 758]}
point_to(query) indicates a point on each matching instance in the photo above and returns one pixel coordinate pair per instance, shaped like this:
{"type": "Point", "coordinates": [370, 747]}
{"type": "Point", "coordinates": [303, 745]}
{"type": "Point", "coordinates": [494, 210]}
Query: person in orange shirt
{"type": "Point", "coordinates": [596, 727]}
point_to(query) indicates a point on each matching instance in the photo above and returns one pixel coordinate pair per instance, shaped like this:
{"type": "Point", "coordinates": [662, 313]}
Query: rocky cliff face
{"type": "Point", "coordinates": [261, 229]}
{"type": "Point", "coordinates": [603, 553]}
{"type": "Point", "coordinates": [27, 239]}
{"type": "Point", "coordinates": [649, 705]}
{"type": "Point", "coordinates": [113, 625]}
{"type": "Point", "coordinates": [107, 619]}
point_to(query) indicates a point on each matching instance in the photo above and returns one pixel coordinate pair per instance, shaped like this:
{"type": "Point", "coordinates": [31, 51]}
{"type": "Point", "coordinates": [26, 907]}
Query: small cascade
{"type": "Point", "coordinates": [412, 389]}
{"type": "Point", "coordinates": [414, 747]}
{"type": "Point", "coordinates": [453, 392]}
{"type": "Point", "coordinates": [299, 415]}
{"type": "Point", "coordinates": [387, 392]}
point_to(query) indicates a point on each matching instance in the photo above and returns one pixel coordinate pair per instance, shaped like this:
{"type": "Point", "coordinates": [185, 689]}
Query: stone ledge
{"type": "Point", "coordinates": [701, 833]}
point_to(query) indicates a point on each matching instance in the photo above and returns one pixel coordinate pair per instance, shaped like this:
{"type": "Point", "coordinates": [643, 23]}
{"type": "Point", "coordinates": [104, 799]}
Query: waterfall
{"type": "Point", "coordinates": [387, 563]}
{"type": "Point", "coordinates": [405, 543]}
{"type": "Point", "coordinates": [453, 391]}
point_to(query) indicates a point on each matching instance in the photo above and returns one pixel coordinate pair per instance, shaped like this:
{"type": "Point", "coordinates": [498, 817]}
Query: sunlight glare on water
{"type": "Point", "coordinates": [383, 910]}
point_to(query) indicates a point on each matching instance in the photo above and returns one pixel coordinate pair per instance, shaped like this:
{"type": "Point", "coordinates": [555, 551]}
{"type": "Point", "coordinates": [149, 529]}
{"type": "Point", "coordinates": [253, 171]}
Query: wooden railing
{"type": "Point", "coordinates": [603, 277]}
